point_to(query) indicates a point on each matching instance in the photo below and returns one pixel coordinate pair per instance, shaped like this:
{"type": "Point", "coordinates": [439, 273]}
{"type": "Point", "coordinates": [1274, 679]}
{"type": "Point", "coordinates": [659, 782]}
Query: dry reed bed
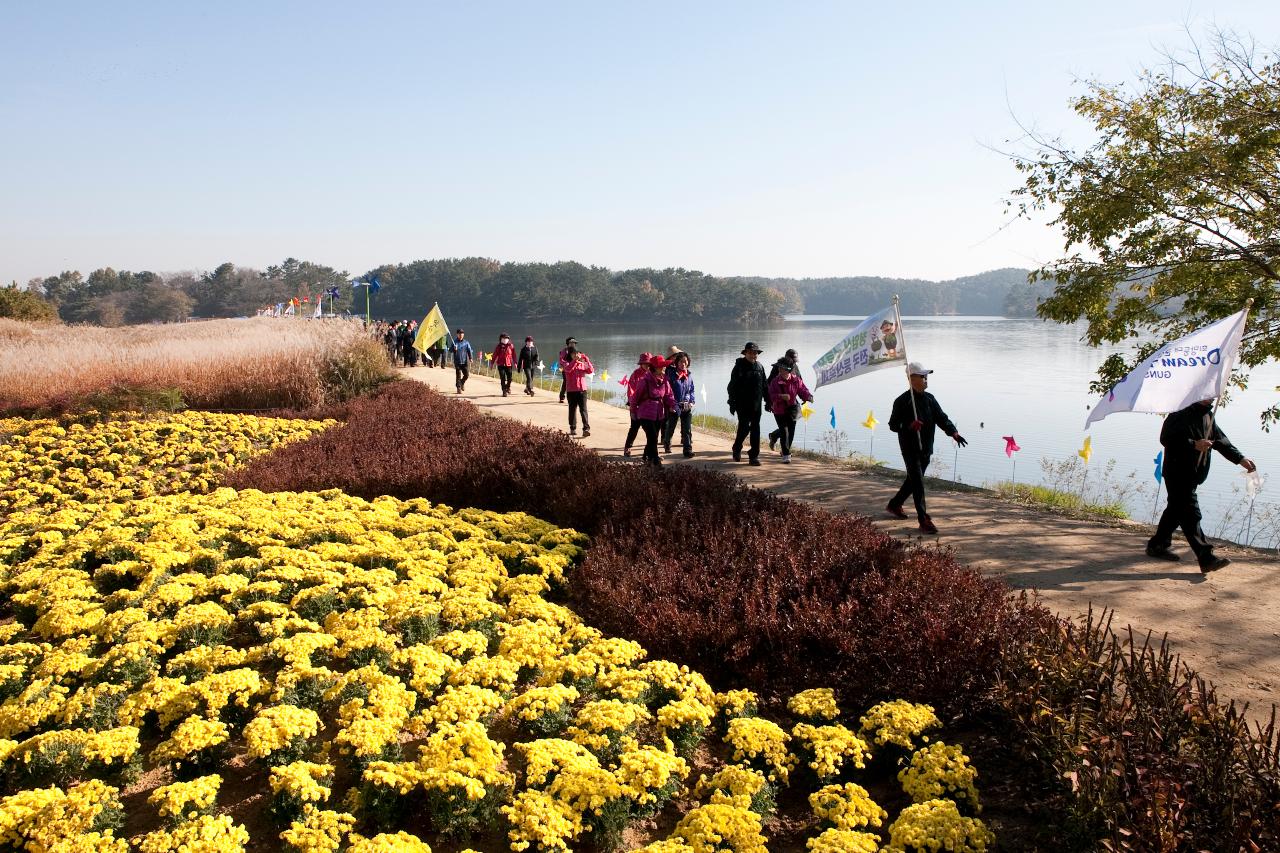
{"type": "Point", "coordinates": [247, 364]}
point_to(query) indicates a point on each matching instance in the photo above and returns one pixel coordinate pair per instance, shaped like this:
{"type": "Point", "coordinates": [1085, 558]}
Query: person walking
{"type": "Point", "coordinates": [407, 334]}
{"type": "Point", "coordinates": [915, 417]}
{"type": "Point", "coordinates": [569, 343]}
{"type": "Point", "coordinates": [1188, 436]}
{"type": "Point", "coordinates": [653, 401]}
{"type": "Point", "coordinates": [747, 393]}
{"type": "Point", "coordinates": [528, 363]}
{"type": "Point", "coordinates": [684, 394]}
{"type": "Point", "coordinates": [576, 367]}
{"type": "Point", "coordinates": [504, 358]}
{"type": "Point", "coordinates": [792, 358]}
{"type": "Point", "coordinates": [642, 367]}
{"type": "Point", "coordinates": [462, 353]}
{"type": "Point", "coordinates": [785, 393]}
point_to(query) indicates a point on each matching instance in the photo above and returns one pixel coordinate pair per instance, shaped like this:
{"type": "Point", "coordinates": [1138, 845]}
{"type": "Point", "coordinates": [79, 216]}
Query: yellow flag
{"type": "Point", "coordinates": [870, 422]}
{"type": "Point", "coordinates": [805, 411]}
{"type": "Point", "coordinates": [433, 328]}
{"type": "Point", "coordinates": [1086, 451]}
{"type": "Point", "coordinates": [604, 377]}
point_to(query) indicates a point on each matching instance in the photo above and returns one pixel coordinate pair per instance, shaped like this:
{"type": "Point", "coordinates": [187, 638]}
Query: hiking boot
{"type": "Point", "coordinates": [927, 525]}
{"type": "Point", "coordinates": [786, 457]}
{"type": "Point", "coordinates": [688, 454]}
{"type": "Point", "coordinates": [573, 432]}
{"type": "Point", "coordinates": [737, 455]}
{"type": "Point", "coordinates": [666, 448]}
{"type": "Point", "coordinates": [585, 432]}
{"type": "Point", "coordinates": [626, 451]}
{"type": "Point", "coordinates": [753, 461]}
{"type": "Point", "coordinates": [1162, 554]}
{"type": "Point", "coordinates": [895, 511]}
{"type": "Point", "coordinates": [1213, 564]}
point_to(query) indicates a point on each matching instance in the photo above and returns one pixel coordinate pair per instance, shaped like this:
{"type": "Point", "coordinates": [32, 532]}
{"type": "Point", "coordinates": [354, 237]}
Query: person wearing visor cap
{"type": "Point", "coordinates": [915, 418]}
{"type": "Point", "coordinates": [569, 343]}
{"type": "Point", "coordinates": [748, 391]}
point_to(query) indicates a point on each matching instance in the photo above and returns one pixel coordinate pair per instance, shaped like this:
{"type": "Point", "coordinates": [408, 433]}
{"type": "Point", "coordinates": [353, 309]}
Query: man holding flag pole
{"type": "Point", "coordinates": [878, 342]}
{"type": "Point", "coordinates": [1187, 378]}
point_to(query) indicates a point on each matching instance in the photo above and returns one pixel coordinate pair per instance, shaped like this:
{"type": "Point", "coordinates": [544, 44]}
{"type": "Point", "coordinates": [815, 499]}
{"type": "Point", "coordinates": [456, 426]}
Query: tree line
{"type": "Point", "coordinates": [480, 287]}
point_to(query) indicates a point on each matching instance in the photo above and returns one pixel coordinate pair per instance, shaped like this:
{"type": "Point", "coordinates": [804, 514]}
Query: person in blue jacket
{"type": "Point", "coordinates": [462, 353]}
{"type": "Point", "coordinates": [681, 380]}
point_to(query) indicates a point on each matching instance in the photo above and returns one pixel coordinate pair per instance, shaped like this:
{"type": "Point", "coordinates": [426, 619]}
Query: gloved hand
{"type": "Point", "coordinates": [960, 440]}
{"type": "Point", "coordinates": [917, 425]}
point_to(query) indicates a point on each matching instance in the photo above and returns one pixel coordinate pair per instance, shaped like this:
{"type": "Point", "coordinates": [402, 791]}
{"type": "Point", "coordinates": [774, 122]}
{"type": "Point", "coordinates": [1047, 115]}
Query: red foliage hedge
{"type": "Point", "coordinates": [747, 586]}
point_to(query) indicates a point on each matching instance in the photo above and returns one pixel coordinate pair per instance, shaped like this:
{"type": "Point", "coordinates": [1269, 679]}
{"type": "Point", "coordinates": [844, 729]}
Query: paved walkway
{"type": "Point", "coordinates": [1226, 625]}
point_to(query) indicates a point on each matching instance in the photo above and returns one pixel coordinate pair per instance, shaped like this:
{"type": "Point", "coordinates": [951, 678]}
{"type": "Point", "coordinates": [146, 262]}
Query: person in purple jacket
{"type": "Point", "coordinates": [682, 389]}
{"type": "Point", "coordinates": [653, 400]}
{"type": "Point", "coordinates": [786, 392]}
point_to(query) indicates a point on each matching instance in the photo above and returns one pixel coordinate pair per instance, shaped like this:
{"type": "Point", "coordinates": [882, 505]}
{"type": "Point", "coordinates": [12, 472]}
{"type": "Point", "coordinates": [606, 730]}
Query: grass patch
{"type": "Point", "coordinates": [1055, 500]}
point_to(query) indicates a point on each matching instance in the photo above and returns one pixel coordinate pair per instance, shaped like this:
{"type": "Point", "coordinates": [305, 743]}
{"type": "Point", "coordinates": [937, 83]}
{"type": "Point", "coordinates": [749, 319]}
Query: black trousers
{"type": "Point", "coordinates": [651, 430]}
{"type": "Point", "coordinates": [913, 485]}
{"type": "Point", "coordinates": [562, 391]}
{"type": "Point", "coordinates": [577, 402]}
{"type": "Point", "coordinates": [632, 431]}
{"type": "Point", "coordinates": [1183, 511]}
{"type": "Point", "coordinates": [685, 420]}
{"type": "Point", "coordinates": [410, 357]}
{"type": "Point", "coordinates": [786, 432]}
{"type": "Point", "coordinates": [504, 377]}
{"type": "Point", "coordinates": [748, 425]}
{"type": "Point", "coordinates": [461, 373]}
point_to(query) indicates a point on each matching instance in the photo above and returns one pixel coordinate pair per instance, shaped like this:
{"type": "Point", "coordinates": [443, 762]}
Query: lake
{"type": "Point", "coordinates": [994, 377]}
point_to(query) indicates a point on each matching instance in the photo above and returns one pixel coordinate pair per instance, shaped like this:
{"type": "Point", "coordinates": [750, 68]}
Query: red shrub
{"type": "Point", "coordinates": [749, 587]}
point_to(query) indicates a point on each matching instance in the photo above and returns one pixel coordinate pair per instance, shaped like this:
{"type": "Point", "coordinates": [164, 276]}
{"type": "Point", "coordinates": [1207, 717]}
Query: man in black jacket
{"type": "Point", "coordinates": [528, 363]}
{"type": "Point", "coordinates": [915, 426]}
{"type": "Point", "coordinates": [1188, 436]}
{"type": "Point", "coordinates": [747, 393]}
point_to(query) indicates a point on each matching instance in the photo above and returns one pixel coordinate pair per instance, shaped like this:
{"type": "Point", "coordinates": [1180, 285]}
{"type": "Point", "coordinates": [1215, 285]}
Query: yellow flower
{"type": "Point", "coordinates": [847, 806]}
{"type": "Point", "coordinates": [937, 825]}
{"type": "Point", "coordinates": [762, 742]}
{"type": "Point", "coordinates": [816, 704]}
{"type": "Point", "coordinates": [940, 772]}
{"type": "Point", "coordinates": [901, 723]}
{"type": "Point", "coordinates": [198, 795]}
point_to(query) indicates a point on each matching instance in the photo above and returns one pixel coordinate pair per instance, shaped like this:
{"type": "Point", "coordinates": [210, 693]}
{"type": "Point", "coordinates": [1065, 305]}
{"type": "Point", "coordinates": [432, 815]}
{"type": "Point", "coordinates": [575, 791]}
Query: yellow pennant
{"type": "Point", "coordinates": [1086, 451]}
{"type": "Point", "coordinates": [805, 411]}
{"type": "Point", "coordinates": [870, 422]}
{"type": "Point", "coordinates": [604, 377]}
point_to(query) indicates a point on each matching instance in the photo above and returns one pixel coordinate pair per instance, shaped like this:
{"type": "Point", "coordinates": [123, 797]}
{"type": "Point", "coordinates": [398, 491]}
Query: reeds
{"type": "Point", "coordinates": [243, 365]}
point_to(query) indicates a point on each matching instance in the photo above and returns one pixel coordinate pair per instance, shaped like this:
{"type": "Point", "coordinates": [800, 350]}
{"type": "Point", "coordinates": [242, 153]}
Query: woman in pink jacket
{"type": "Point", "coordinates": [642, 368]}
{"type": "Point", "coordinates": [504, 358]}
{"type": "Point", "coordinates": [652, 400]}
{"type": "Point", "coordinates": [576, 367]}
{"type": "Point", "coordinates": [785, 393]}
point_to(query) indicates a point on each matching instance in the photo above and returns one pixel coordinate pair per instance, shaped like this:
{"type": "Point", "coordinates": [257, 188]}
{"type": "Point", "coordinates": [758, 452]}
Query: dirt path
{"type": "Point", "coordinates": [1226, 625]}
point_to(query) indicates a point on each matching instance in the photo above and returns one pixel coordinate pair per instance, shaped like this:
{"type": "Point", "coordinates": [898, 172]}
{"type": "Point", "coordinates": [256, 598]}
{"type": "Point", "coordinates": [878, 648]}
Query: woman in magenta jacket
{"type": "Point", "coordinates": [504, 358]}
{"type": "Point", "coordinates": [785, 393]}
{"type": "Point", "coordinates": [653, 400]}
{"type": "Point", "coordinates": [642, 367]}
{"type": "Point", "coordinates": [576, 367]}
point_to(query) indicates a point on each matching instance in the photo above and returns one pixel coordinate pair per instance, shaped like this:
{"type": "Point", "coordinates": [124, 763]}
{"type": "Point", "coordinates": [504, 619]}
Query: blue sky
{"type": "Point", "coordinates": [801, 139]}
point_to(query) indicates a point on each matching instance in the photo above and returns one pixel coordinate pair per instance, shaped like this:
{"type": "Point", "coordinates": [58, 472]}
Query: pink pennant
{"type": "Point", "coordinates": [1010, 446]}
{"type": "Point", "coordinates": [624, 381]}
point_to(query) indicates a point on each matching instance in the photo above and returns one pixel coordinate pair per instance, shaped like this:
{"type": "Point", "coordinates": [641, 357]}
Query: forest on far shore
{"type": "Point", "coordinates": [481, 287]}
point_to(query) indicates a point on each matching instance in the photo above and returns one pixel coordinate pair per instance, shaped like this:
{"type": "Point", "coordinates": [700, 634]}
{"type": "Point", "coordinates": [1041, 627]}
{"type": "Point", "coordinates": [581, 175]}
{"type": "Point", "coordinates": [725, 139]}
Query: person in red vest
{"type": "Point", "coordinates": [504, 358]}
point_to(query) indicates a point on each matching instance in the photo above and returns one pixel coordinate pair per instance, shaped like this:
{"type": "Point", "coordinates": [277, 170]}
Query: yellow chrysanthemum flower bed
{"type": "Point", "coordinates": [388, 670]}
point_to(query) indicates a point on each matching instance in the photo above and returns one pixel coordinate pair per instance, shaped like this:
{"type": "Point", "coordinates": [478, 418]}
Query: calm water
{"type": "Point", "coordinates": [995, 377]}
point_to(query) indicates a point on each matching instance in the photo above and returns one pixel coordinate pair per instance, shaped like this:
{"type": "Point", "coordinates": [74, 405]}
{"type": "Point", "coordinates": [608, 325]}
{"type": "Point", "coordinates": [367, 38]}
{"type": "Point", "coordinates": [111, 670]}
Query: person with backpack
{"type": "Point", "coordinates": [653, 401]}
{"type": "Point", "coordinates": [504, 358]}
{"type": "Point", "coordinates": [786, 391]}
{"type": "Point", "coordinates": [576, 367]}
{"type": "Point", "coordinates": [747, 392]}
{"type": "Point", "coordinates": [684, 393]}
{"type": "Point", "coordinates": [528, 363]}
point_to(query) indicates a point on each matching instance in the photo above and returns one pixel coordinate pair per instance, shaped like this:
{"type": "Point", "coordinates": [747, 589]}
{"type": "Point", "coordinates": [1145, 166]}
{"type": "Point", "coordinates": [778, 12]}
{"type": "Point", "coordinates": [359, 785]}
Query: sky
{"type": "Point", "coordinates": [736, 138]}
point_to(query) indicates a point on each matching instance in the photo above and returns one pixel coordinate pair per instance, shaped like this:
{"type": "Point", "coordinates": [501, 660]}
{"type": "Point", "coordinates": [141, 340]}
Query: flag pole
{"type": "Point", "coordinates": [1213, 415]}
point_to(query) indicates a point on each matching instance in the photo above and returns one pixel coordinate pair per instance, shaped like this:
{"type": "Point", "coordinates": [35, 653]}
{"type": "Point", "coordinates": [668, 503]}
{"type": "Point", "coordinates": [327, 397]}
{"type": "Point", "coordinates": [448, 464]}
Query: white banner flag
{"type": "Point", "coordinates": [1181, 373]}
{"type": "Point", "coordinates": [876, 342]}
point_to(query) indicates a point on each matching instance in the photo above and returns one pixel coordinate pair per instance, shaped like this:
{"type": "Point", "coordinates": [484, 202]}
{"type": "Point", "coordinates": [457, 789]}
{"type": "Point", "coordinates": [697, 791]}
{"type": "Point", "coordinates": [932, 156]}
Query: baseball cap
{"type": "Point", "coordinates": [658, 361]}
{"type": "Point", "coordinates": [751, 345]}
{"type": "Point", "coordinates": [644, 358]}
{"type": "Point", "coordinates": [915, 368]}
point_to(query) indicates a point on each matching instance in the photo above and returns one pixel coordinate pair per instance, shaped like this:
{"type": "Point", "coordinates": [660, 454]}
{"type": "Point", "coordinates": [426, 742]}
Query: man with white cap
{"type": "Point", "coordinates": [916, 415]}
